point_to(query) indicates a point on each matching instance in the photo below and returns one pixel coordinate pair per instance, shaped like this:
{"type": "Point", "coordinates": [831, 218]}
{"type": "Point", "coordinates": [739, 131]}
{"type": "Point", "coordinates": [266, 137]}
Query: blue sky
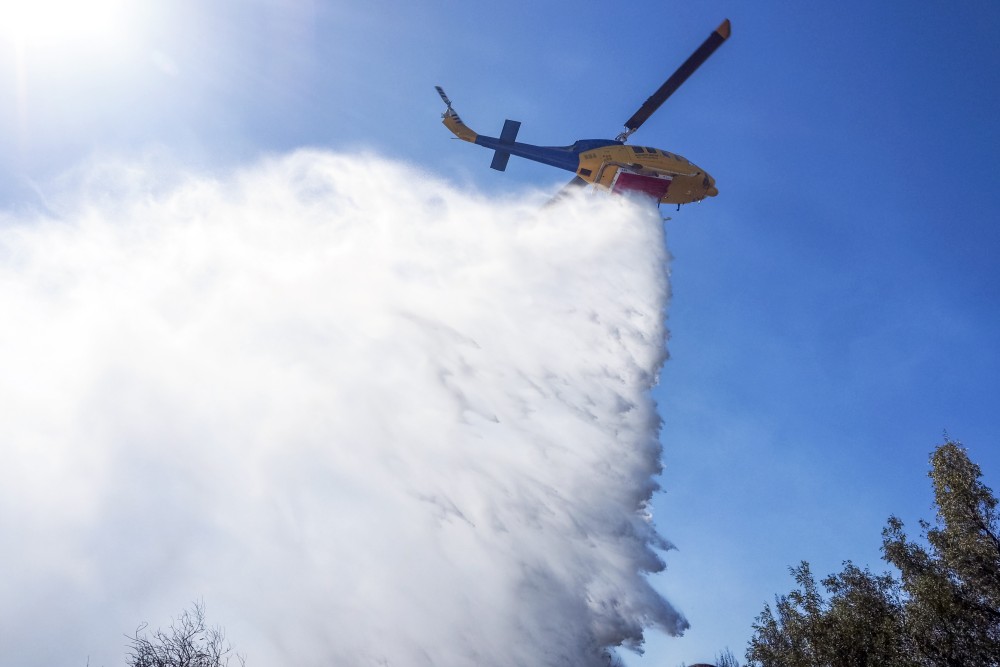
{"type": "Point", "coordinates": [834, 310]}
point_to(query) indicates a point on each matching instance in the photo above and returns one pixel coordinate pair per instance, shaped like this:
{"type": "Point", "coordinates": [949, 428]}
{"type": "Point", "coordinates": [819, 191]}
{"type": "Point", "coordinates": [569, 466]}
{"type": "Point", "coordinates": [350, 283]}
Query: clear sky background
{"type": "Point", "coordinates": [834, 310]}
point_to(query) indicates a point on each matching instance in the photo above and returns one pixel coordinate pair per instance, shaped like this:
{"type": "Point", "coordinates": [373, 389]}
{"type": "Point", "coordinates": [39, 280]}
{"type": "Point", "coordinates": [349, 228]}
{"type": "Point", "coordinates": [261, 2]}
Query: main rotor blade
{"type": "Point", "coordinates": [706, 49]}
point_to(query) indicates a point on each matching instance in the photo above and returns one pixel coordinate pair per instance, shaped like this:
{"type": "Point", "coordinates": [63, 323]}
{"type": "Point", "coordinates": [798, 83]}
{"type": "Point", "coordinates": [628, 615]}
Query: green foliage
{"type": "Point", "coordinates": [944, 610]}
{"type": "Point", "coordinates": [726, 659]}
{"type": "Point", "coordinates": [952, 583]}
{"type": "Point", "coordinates": [859, 625]}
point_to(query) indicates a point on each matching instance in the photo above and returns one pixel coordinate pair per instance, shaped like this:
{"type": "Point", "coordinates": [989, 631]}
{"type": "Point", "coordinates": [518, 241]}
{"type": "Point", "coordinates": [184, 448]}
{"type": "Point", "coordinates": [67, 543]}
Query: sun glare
{"type": "Point", "coordinates": [48, 23]}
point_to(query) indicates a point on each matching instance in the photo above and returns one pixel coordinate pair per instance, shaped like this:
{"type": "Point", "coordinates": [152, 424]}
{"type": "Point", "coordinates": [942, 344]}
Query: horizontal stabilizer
{"type": "Point", "coordinates": [509, 132]}
{"type": "Point", "coordinates": [499, 162]}
{"type": "Point", "coordinates": [507, 136]}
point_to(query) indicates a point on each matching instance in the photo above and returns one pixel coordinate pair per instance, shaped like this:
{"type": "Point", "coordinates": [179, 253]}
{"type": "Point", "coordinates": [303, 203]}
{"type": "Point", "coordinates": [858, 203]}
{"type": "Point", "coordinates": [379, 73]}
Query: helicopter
{"type": "Point", "coordinates": [665, 177]}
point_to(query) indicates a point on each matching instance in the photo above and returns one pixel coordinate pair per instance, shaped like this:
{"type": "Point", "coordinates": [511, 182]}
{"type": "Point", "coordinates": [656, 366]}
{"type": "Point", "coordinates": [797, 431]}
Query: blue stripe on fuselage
{"type": "Point", "coordinates": [563, 157]}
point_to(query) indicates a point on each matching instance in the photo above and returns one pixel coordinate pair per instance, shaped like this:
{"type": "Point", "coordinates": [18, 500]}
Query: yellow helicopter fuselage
{"type": "Point", "coordinates": [648, 170]}
{"type": "Point", "coordinates": [606, 163]}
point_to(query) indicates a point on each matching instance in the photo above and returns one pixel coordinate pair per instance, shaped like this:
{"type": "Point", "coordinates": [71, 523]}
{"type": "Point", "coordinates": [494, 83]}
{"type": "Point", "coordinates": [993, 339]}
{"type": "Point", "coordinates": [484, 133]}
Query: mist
{"type": "Point", "coordinates": [368, 417]}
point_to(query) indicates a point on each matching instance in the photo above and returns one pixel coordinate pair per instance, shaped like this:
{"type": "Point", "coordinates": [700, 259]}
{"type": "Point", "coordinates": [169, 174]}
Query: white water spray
{"type": "Point", "coordinates": [367, 418]}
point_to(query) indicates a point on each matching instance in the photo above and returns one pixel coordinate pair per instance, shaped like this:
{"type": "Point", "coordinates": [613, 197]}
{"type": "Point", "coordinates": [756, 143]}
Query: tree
{"type": "Point", "coordinates": [944, 610]}
{"type": "Point", "coordinates": [953, 583]}
{"type": "Point", "coordinates": [726, 659]}
{"type": "Point", "coordinates": [859, 625]}
{"type": "Point", "coordinates": [187, 643]}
